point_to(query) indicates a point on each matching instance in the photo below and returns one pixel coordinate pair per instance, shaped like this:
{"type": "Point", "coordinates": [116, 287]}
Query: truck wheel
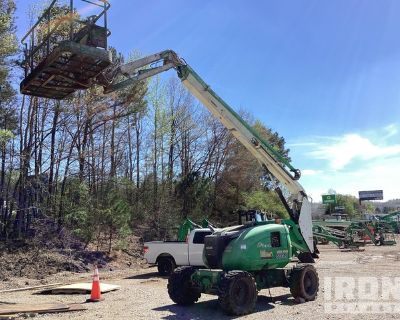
{"type": "Point", "coordinates": [165, 266]}
{"type": "Point", "coordinates": [181, 289]}
{"type": "Point", "coordinates": [304, 282]}
{"type": "Point", "coordinates": [237, 293]}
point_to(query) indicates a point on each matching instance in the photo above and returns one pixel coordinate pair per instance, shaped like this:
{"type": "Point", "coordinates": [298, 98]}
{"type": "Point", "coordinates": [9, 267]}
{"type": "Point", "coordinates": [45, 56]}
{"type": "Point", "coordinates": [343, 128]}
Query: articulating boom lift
{"type": "Point", "coordinates": [241, 260]}
{"type": "Point", "coordinates": [297, 205]}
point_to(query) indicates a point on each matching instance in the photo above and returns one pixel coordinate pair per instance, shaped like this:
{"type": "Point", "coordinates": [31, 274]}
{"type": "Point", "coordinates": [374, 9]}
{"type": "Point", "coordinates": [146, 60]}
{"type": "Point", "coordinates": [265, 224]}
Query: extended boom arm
{"type": "Point", "coordinates": [298, 205]}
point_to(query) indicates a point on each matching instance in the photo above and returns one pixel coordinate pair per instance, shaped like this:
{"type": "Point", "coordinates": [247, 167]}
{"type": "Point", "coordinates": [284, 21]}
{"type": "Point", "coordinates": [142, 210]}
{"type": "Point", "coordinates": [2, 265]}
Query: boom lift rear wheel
{"type": "Point", "coordinates": [237, 293]}
{"type": "Point", "coordinates": [304, 282]}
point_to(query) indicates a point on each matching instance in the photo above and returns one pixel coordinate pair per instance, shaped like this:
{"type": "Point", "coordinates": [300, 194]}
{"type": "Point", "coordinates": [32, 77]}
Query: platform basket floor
{"type": "Point", "coordinates": [69, 67]}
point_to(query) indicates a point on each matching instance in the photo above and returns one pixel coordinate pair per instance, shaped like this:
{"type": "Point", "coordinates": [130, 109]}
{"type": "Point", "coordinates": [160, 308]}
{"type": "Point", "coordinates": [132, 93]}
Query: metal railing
{"type": "Point", "coordinates": [45, 34]}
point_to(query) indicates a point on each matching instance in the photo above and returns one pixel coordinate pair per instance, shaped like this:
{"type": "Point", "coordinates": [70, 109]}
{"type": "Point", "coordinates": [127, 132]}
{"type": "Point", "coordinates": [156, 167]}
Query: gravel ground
{"type": "Point", "coordinates": [143, 294]}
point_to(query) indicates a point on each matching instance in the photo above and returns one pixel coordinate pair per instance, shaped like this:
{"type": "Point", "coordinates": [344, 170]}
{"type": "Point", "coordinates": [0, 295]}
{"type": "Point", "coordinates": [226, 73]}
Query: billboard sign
{"type": "Point", "coordinates": [370, 195]}
{"type": "Point", "coordinates": [328, 198]}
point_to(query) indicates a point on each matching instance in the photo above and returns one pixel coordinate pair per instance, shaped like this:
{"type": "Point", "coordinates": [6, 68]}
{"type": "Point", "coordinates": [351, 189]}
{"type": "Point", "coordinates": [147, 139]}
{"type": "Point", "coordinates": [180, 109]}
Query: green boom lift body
{"type": "Point", "coordinates": [243, 259]}
{"type": "Point", "coordinates": [249, 249]}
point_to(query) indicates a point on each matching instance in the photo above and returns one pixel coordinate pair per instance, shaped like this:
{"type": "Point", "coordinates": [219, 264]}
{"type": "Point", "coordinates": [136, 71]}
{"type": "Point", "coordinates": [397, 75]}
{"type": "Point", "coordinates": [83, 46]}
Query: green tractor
{"type": "Point", "coordinates": [244, 259]}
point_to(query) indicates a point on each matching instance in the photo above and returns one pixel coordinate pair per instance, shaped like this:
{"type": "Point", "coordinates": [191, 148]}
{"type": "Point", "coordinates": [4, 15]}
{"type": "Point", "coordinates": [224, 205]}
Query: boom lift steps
{"type": "Point", "coordinates": [70, 64]}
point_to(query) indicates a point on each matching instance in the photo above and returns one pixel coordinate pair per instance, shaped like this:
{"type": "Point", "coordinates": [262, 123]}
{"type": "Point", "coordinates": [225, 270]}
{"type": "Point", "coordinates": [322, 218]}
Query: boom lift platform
{"type": "Point", "coordinates": [65, 52]}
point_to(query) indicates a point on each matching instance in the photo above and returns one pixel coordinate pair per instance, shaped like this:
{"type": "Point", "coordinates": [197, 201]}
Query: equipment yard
{"type": "Point", "coordinates": [113, 156]}
{"type": "Point", "coordinates": [143, 294]}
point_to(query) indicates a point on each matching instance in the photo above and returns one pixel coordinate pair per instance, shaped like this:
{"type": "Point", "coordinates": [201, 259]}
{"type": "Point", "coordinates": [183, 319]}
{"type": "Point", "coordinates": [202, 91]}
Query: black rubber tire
{"type": "Point", "coordinates": [165, 266]}
{"type": "Point", "coordinates": [181, 289]}
{"type": "Point", "coordinates": [304, 282]}
{"type": "Point", "coordinates": [237, 293]}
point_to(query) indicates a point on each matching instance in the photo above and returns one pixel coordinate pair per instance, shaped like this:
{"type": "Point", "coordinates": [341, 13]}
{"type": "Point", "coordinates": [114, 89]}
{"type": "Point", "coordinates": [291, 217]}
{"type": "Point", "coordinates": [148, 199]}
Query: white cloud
{"type": "Point", "coordinates": [352, 162]}
{"type": "Point", "coordinates": [302, 144]}
{"type": "Point", "coordinates": [310, 172]}
{"type": "Point", "coordinates": [341, 151]}
{"type": "Point", "coordinates": [377, 175]}
{"type": "Point", "coordinates": [391, 130]}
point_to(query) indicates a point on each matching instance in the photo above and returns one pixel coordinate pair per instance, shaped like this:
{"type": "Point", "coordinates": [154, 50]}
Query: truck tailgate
{"type": "Point", "coordinates": [178, 250]}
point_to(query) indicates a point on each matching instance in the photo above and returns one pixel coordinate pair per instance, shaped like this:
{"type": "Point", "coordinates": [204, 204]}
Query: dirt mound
{"type": "Point", "coordinates": [33, 262]}
{"type": "Point", "coordinates": [37, 264]}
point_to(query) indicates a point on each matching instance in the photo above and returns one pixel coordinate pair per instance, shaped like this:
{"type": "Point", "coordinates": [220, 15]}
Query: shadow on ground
{"type": "Point", "coordinates": [210, 309]}
{"type": "Point", "coordinates": [145, 276]}
{"type": "Point", "coordinates": [284, 299]}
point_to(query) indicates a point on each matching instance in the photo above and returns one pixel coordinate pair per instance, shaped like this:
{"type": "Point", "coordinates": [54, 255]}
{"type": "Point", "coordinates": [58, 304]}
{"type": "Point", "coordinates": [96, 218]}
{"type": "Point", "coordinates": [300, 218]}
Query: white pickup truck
{"type": "Point", "coordinates": [170, 254]}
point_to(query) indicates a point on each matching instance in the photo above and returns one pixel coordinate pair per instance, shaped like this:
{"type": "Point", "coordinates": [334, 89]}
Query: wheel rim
{"type": "Point", "coordinates": [310, 285]}
{"type": "Point", "coordinates": [240, 292]}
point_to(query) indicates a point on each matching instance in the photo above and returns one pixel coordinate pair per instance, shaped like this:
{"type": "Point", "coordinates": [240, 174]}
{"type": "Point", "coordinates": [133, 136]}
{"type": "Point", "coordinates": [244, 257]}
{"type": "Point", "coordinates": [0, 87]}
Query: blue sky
{"type": "Point", "coordinates": [324, 74]}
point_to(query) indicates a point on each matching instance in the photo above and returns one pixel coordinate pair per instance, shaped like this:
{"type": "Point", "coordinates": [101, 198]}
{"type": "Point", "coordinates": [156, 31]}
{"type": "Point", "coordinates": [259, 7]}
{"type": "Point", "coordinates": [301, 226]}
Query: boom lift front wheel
{"type": "Point", "coordinates": [237, 293]}
{"type": "Point", "coordinates": [180, 286]}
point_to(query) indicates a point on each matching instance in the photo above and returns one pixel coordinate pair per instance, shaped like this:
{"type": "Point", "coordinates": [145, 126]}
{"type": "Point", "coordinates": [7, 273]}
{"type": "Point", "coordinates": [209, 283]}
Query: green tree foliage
{"type": "Point", "coordinates": [196, 191]}
{"type": "Point", "coordinates": [273, 138]}
{"type": "Point", "coordinates": [99, 221]}
{"type": "Point", "coordinates": [368, 207]}
{"type": "Point", "coordinates": [244, 182]}
{"type": "Point", "coordinates": [8, 109]}
{"type": "Point", "coordinates": [139, 160]}
{"type": "Point", "coordinates": [81, 214]}
{"type": "Point", "coordinates": [5, 136]}
{"type": "Point", "coordinates": [350, 204]}
{"type": "Point", "coordinates": [265, 201]}
{"type": "Point", "coordinates": [117, 216]}
{"type": "Point", "coordinates": [8, 48]}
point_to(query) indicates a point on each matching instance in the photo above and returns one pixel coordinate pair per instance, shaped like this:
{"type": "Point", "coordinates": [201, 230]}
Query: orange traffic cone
{"type": "Point", "coordinates": [95, 295]}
